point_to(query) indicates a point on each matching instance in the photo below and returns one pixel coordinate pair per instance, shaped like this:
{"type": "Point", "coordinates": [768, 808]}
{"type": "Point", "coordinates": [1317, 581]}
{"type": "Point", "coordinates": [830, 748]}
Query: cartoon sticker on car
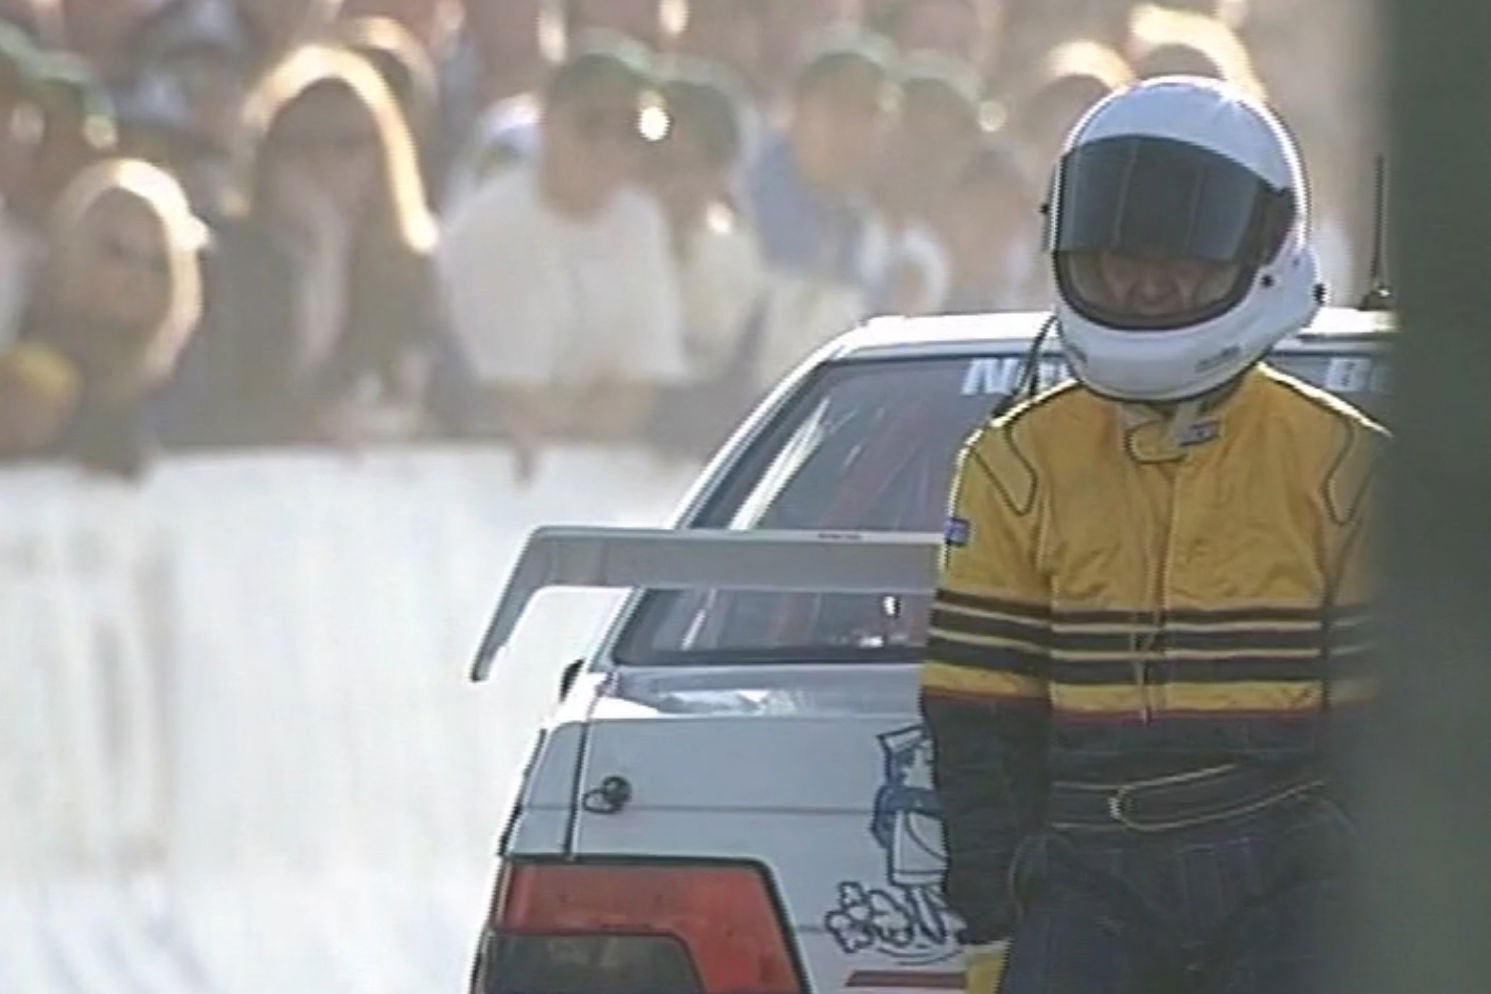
{"type": "Point", "coordinates": [902, 916]}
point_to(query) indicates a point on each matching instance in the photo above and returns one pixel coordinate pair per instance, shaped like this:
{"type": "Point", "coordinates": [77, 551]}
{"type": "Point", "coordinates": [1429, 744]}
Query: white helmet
{"type": "Point", "coordinates": [1186, 170]}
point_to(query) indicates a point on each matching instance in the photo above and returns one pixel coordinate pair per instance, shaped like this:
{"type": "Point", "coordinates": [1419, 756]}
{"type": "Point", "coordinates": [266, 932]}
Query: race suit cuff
{"type": "Point", "coordinates": [984, 934]}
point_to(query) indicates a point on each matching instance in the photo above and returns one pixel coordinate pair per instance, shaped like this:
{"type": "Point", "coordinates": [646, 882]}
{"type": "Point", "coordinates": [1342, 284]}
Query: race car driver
{"type": "Point", "coordinates": [1148, 627]}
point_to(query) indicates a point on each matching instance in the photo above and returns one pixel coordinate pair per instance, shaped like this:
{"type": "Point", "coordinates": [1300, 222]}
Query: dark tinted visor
{"type": "Point", "coordinates": [1164, 198]}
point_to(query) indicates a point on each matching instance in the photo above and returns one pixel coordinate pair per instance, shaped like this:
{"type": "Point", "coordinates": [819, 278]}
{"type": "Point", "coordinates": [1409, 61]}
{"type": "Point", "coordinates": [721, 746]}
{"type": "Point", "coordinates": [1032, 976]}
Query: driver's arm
{"type": "Point", "coordinates": [983, 683]}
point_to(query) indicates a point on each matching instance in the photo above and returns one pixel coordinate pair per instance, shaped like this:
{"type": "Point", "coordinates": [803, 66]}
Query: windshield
{"type": "Point", "coordinates": [867, 446]}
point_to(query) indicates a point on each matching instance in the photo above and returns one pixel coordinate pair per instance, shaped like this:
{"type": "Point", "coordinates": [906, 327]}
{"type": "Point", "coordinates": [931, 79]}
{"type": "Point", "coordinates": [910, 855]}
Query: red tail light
{"type": "Point", "coordinates": [723, 915]}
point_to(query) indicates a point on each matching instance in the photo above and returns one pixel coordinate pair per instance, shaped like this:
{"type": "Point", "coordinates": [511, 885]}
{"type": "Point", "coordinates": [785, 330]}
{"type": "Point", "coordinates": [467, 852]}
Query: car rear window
{"type": "Point", "coordinates": [868, 446]}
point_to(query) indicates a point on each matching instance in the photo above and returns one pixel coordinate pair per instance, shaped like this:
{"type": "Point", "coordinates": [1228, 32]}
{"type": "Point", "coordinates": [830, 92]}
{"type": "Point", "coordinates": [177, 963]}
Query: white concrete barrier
{"type": "Point", "coordinates": [237, 749]}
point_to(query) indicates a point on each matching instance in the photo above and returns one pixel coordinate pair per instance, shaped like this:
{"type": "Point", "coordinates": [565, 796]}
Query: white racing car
{"type": "Point", "coordinates": [734, 794]}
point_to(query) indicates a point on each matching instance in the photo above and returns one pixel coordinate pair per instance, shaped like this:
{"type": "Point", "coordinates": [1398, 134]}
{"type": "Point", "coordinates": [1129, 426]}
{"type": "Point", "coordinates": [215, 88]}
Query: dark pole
{"type": "Point", "coordinates": [1429, 770]}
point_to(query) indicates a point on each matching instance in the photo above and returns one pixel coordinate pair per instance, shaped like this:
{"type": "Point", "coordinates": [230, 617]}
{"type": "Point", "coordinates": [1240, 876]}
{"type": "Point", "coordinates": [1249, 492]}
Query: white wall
{"type": "Point", "coordinates": [237, 748]}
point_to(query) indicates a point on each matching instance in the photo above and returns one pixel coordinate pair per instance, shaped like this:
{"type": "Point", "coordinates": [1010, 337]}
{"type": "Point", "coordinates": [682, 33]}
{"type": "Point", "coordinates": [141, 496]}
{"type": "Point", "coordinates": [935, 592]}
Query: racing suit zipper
{"type": "Point", "coordinates": [1146, 646]}
{"type": "Point", "coordinates": [1141, 680]}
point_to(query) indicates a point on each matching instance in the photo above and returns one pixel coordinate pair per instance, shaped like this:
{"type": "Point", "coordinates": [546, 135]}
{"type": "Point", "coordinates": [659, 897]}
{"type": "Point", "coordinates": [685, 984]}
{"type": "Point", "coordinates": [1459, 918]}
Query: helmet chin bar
{"type": "Point", "coordinates": [1217, 391]}
{"type": "Point", "coordinates": [1168, 367]}
{"type": "Point", "coordinates": [1167, 399]}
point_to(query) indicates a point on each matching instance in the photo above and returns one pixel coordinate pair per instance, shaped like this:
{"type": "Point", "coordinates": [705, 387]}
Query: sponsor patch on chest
{"type": "Point", "coordinates": [958, 531]}
{"type": "Point", "coordinates": [1198, 433]}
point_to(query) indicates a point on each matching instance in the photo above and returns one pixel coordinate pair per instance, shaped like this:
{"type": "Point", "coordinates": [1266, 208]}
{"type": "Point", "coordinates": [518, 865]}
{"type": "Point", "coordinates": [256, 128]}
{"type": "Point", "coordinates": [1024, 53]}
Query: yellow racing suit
{"type": "Point", "coordinates": [1123, 597]}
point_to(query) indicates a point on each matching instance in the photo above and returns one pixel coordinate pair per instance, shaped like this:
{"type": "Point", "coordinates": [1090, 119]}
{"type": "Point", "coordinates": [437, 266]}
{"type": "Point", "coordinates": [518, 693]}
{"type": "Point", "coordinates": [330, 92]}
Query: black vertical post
{"type": "Point", "coordinates": [1429, 770]}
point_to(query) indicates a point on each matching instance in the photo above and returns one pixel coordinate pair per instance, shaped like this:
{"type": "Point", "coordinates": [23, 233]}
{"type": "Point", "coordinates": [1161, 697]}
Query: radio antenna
{"type": "Point", "coordinates": [1379, 295]}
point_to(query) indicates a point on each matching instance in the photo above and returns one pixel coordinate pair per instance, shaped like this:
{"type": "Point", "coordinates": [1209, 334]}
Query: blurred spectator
{"type": "Point", "coordinates": [1165, 42]}
{"type": "Point", "coordinates": [97, 30]}
{"type": "Point", "coordinates": [156, 124]}
{"type": "Point", "coordinates": [1233, 13]}
{"type": "Point", "coordinates": [432, 22]}
{"type": "Point", "coordinates": [992, 234]}
{"type": "Point", "coordinates": [20, 132]}
{"type": "Point", "coordinates": [935, 133]}
{"type": "Point", "coordinates": [955, 27]}
{"type": "Point", "coordinates": [324, 317]}
{"type": "Point", "coordinates": [116, 299]}
{"type": "Point", "coordinates": [403, 62]}
{"type": "Point", "coordinates": [732, 33]}
{"type": "Point", "coordinates": [20, 124]}
{"type": "Point", "coordinates": [1176, 60]}
{"type": "Point", "coordinates": [40, 20]}
{"type": "Point", "coordinates": [789, 22]}
{"type": "Point", "coordinates": [878, 191]}
{"type": "Point", "coordinates": [77, 129]}
{"type": "Point", "coordinates": [640, 20]}
{"type": "Point", "coordinates": [722, 280]}
{"type": "Point", "coordinates": [400, 58]}
{"type": "Point", "coordinates": [504, 38]}
{"type": "Point", "coordinates": [808, 188]}
{"type": "Point", "coordinates": [807, 192]}
{"type": "Point", "coordinates": [505, 136]}
{"type": "Point", "coordinates": [206, 49]}
{"type": "Point", "coordinates": [508, 132]}
{"type": "Point", "coordinates": [486, 85]}
{"type": "Point", "coordinates": [1071, 78]}
{"type": "Point", "coordinates": [558, 275]}
{"type": "Point", "coordinates": [278, 25]}
{"type": "Point", "coordinates": [38, 393]}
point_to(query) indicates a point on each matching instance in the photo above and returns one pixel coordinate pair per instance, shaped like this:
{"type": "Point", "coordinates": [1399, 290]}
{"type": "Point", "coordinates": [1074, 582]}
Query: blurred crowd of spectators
{"type": "Point", "coordinates": [274, 222]}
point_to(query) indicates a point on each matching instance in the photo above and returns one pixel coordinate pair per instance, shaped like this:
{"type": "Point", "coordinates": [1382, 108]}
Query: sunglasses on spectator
{"type": "Point", "coordinates": [119, 251]}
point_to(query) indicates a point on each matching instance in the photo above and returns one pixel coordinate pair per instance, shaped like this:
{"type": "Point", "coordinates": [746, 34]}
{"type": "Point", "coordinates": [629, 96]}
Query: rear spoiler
{"type": "Point", "coordinates": [849, 562]}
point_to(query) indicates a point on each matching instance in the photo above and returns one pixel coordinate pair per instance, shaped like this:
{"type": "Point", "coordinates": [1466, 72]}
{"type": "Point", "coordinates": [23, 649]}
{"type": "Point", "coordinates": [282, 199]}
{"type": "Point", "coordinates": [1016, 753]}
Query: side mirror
{"type": "Point", "coordinates": [567, 677]}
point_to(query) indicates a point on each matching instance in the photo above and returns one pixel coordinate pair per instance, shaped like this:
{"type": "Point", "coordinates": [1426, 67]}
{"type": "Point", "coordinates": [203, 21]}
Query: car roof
{"type": "Point", "coordinates": [979, 334]}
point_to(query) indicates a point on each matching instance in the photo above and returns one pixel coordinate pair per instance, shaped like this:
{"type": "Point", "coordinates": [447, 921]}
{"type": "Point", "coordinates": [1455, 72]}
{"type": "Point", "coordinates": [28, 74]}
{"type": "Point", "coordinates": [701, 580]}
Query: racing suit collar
{"type": "Point", "coordinates": [1169, 432]}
